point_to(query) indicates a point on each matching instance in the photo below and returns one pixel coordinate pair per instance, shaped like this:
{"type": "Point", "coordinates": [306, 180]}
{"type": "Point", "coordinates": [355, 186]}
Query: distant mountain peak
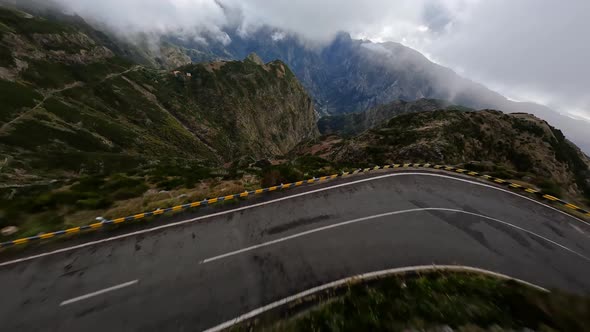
{"type": "Point", "coordinates": [343, 37]}
{"type": "Point", "coordinates": [255, 58]}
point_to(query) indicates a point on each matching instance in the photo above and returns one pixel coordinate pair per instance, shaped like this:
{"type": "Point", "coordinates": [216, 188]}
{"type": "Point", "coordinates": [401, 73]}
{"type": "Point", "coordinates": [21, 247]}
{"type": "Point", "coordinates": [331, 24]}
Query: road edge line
{"type": "Point", "coordinates": [206, 202]}
{"type": "Point", "coordinates": [186, 221]}
{"type": "Point", "coordinates": [367, 277]}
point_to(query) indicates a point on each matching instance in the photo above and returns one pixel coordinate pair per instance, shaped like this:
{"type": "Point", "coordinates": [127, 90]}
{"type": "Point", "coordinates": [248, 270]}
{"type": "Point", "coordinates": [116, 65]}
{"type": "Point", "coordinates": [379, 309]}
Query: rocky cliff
{"type": "Point", "coordinates": [71, 105]}
{"type": "Point", "coordinates": [349, 76]}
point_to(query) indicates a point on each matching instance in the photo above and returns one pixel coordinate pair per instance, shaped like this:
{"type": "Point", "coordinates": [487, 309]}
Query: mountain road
{"type": "Point", "coordinates": [218, 263]}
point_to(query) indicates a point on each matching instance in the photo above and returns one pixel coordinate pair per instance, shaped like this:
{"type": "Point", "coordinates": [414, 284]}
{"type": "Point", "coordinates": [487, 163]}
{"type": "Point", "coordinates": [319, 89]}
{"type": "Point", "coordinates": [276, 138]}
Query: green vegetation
{"type": "Point", "coordinates": [43, 208]}
{"type": "Point", "coordinates": [88, 193]}
{"type": "Point", "coordinates": [519, 146]}
{"type": "Point", "coordinates": [295, 170]}
{"type": "Point", "coordinates": [51, 74]}
{"type": "Point", "coordinates": [84, 163]}
{"type": "Point", "coordinates": [107, 131]}
{"type": "Point", "coordinates": [142, 115]}
{"type": "Point", "coordinates": [31, 134]}
{"type": "Point", "coordinates": [28, 26]}
{"type": "Point", "coordinates": [102, 115]}
{"type": "Point", "coordinates": [466, 302]}
{"type": "Point", "coordinates": [567, 153]}
{"type": "Point", "coordinates": [275, 175]}
{"type": "Point", "coordinates": [551, 188]}
{"type": "Point", "coordinates": [521, 161]}
{"type": "Point", "coordinates": [14, 98]}
{"type": "Point", "coordinates": [355, 123]}
{"type": "Point", "coordinates": [48, 74]}
{"type": "Point", "coordinates": [112, 136]}
{"type": "Point", "coordinates": [174, 173]}
{"type": "Point", "coordinates": [6, 59]}
{"type": "Point", "coordinates": [41, 223]}
{"type": "Point", "coordinates": [527, 126]}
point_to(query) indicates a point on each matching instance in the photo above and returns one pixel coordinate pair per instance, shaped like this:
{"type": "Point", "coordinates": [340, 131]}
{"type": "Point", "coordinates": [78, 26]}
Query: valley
{"type": "Point", "coordinates": [226, 165]}
{"type": "Point", "coordinates": [96, 126]}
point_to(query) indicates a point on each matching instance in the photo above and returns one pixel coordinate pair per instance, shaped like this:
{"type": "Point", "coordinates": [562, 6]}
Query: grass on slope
{"type": "Point", "coordinates": [465, 302]}
{"type": "Point", "coordinates": [28, 26]}
{"type": "Point", "coordinates": [524, 147]}
{"type": "Point", "coordinates": [140, 185]}
{"type": "Point", "coordinates": [144, 186]}
{"type": "Point", "coordinates": [14, 98]}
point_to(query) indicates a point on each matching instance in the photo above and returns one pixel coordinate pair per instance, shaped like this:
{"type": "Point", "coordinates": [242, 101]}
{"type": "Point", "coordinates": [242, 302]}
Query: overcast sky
{"type": "Point", "coordinates": [529, 50]}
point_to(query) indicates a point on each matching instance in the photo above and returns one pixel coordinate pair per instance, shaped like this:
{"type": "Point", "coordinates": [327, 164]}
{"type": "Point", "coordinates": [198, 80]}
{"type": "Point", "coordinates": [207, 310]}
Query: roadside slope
{"type": "Point", "coordinates": [236, 261]}
{"type": "Point", "coordinates": [84, 131]}
{"type": "Point", "coordinates": [73, 105]}
{"type": "Point", "coordinates": [512, 146]}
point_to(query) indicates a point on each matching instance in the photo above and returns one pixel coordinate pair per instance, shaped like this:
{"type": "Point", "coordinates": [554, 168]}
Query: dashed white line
{"type": "Point", "coordinates": [344, 223]}
{"type": "Point", "coordinates": [102, 291]}
{"type": "Point", "coordinates": [114, 238]}
{"type": "Point", "coordinates": [579, 229]}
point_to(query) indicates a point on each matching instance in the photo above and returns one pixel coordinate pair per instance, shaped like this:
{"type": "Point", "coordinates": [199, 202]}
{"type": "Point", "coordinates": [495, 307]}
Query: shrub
{"type": "Point", "coordinates": [131, 192]}
{"type": "Point", "coordinates": [478, 167]}
{"type": "Point", "coordinates": [527, 126]}
{"type": "Point", "coordinates": [172, 183]}
{"type": "Point", "coordinates": [551, 188]}
{"type": "Point", "coordinates": [276, 175]}
{"type": "Point", "coordinates": [90, 183]}
{"type": "Point", "coordinates": [14, 97]}
{"type": "Point", "coordinates": [521, 161]}
{"type": "Point", "coordinates": [6, 59]}
{"type": "Point", "coordinates": [307, 164]}
{"type": "Point", "coordinates": [121, 181]}
{"type": "Point", "coordinates": [94, 203]}
{"type": "Point", "coordinates": [41, 223]}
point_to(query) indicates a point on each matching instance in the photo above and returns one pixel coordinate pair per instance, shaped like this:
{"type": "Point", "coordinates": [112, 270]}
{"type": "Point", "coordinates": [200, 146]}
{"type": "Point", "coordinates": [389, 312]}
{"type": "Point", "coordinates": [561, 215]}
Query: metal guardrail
{"type": "Point", "coordinates": [206, 202]}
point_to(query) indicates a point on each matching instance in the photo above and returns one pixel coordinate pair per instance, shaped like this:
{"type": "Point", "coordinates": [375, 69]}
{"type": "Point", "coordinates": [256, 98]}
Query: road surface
{"type": "Point", "coordinates": [205, 270]}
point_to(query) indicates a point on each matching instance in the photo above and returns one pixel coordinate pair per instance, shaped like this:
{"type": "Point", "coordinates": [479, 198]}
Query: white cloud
{"type": "Point", "coordinates": [151, 16]}
{"type": "Point", "coordinates": [521, 48]}
{"type": "Point", "coordinates": [278, 35]}
{"type": "Point", "coordinates": [423, 28]}
{"type": "Point", "coordinates": [532, 50]}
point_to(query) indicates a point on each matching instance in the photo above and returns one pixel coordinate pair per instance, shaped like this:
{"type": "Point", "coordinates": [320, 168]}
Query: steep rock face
{"type": "Point", "coordinates": [70, 105]}
{"type": "Point", "coordinates": [523, 145]}
{"type": "Point", "coordinates": [244, 107]}
{"type": "Point", "coordinates": [347, 75]}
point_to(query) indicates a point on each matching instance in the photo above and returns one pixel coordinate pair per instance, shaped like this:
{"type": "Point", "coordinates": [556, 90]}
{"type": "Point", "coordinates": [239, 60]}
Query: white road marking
{"type": "Point", "coordinates": [579, 229]}
{"type": "Point", "coordinates": [364, 277]}
{"type": "Point", "coordinates": [102, 291]}
{"type": "Point", "coordinates": [118, 237]}
{"type": "Point", "coordinates": [344, 223]}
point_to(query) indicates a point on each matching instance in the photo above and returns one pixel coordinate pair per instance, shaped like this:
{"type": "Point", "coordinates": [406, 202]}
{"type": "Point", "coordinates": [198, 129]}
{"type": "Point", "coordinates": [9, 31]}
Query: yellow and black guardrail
{"type": "Point", "coordinates": [206, 202]}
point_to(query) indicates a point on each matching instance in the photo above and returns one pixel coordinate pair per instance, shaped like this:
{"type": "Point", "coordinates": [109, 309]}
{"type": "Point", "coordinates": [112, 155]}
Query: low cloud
{"type": "Point", "coordinates": [534, 50]}
{"type": "Point", "coordinates": [150, 16]}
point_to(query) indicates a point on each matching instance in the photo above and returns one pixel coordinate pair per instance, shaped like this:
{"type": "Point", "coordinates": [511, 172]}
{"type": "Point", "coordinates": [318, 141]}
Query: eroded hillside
{"type": "Point", "coordinates": [69, 104]}
{"type": "Point", "coordinates": [518, 146]}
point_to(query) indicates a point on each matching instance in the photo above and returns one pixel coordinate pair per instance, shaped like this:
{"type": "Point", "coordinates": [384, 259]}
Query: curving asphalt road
{"type": "Point", "coordinates": [203, 271]}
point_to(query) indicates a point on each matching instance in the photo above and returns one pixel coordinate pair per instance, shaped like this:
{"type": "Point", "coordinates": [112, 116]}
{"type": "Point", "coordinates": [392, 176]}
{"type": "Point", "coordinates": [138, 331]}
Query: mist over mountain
{"type": "Point", "coordinates": [97, 120]}
{"type": "Point", "coordinates": [72, 104]}
{"type": "Point", "coordinates": [342, 74]}
{"type": "Point", "coordinates": [349, 75]}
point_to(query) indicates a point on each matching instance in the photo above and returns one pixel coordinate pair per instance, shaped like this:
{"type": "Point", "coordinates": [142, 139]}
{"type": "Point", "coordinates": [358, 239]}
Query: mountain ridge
{"type": "Point", "coordinates": [348, 75]}
{"type": "Point", "coordinates": [351, 124]}
{"type": "Point", "coordinates": [342, 76]}
{"type": "Point", "coordinates": [79, 98]}
{"type": "Point", "coordinates": [516, 146]}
